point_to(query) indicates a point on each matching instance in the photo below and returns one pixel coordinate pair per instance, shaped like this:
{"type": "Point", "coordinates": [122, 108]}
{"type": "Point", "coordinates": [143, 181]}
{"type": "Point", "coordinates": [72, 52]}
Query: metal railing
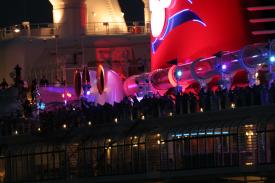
{"type": "Point", "coordinates": [117, 28]}
{"type": "Point", "coordinates": [239, 147]}
{"type": "Point", "coordinates": [93, 28]}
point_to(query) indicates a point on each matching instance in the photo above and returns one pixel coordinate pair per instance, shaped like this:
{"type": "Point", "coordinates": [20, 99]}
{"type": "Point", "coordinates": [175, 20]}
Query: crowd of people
{"type": "Point", "coordinates": [83, 113]}
{"type": "Point", "coordinates": [156, 106]}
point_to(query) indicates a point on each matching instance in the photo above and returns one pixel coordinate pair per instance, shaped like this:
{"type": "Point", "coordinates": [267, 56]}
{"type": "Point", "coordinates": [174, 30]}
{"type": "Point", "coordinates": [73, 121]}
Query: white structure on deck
{"type": "Point", "coordinates": [83, 32]}
{"type": "Point", "coordinates": [78, 17]}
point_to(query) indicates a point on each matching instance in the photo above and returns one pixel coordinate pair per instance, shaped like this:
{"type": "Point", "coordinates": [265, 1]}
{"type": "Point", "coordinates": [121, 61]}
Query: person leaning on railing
{"type": "Point", "coordinates": [4, 84]}
{"type": "Point", "coordinates": [44, 81]}
{"type": "Point", "coordinates": [272, 93]}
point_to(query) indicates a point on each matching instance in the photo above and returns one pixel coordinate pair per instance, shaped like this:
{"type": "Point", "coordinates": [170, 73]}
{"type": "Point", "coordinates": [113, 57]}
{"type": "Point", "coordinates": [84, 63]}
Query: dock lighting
{"type": "Point", "coordinates": [90, 123]}
{"type": "Point", "coordinates": [249, 133]}
{"type": "Point", "coordinates": [109, 140]}
{"type": "Point", "coordinates": [249, 163]}
{"type": "Point", "coordinates": [158, 142]}
{"type": "Point", "coordinates": [16, 132]}
{"type": "Point", "coordinates": [201, 109]}
{"type": "Point", "coordinates": [249, 126]}
{"type": "Point", "coordinates": [233, 105]}
{"type": "Point", "coordinates": [170, 114]}
{"type": "Point", "coordinates": [16, 30]}
{"type": "Point", "coordinates": [272, 59]}
{"type": "Point", "coordinates": [64, 126]}
{"type": "Point", "coordinates": [143, 117]}
{"type": "Point", "coordinates": [39, 129]}
{"type": "Point", "coordinates": [116, 120]}
{"type": "Point", "coordinates": [69, 95]}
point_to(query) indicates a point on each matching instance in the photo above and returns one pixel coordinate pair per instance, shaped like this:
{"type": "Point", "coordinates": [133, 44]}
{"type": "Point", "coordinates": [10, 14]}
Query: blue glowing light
{"type": "Point", "coordinates": [272, 59]}
{"type": "Point", "coordinates": [179, 73]}
{"type": "Point", "coordinates": [202, 133]}
{"type": "Point", "coordinates": [41, 106]}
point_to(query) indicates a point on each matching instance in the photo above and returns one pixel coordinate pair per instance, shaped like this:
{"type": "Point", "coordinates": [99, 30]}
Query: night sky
{"type": "Point", "coordinates": [40, 11]}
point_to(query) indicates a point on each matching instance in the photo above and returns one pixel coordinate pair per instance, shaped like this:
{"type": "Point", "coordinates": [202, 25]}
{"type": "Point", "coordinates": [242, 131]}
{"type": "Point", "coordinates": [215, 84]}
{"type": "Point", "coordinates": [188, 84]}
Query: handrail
{"type": "Point", "coordinates": [50, 29]}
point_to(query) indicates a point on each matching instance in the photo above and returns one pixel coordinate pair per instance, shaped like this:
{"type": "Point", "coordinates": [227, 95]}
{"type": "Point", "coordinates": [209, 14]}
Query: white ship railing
{"type": "Point", "coordinates": [46, 30]}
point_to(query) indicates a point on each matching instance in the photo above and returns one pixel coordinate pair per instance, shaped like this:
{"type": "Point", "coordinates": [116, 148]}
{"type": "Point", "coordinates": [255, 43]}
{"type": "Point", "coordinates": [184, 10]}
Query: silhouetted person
{"type": "Point", "coordinates": [33, 88]}
{"type": "Point", "coordinates": [4, 84]}
{"type": "Point", "coordinates": [193, 103]}
{"type": "Point", "coordinates": [185, 99]}
{"type": "Point", "coordinates": [44, 81]}
{"type": "Point", "coordinates": [17, 75]}
{"type": "Point", "coordinates": [178, 104]}
{"type": "Point", "coordinates": [57, 82]}
{"type": "Point", "coordinates": [202, 98]}
{"type": "Point", "coordinates": [272, 93]}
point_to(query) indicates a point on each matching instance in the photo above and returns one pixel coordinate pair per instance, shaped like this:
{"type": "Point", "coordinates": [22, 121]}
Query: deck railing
{"type": "Point", "coordinates": [44, 30]}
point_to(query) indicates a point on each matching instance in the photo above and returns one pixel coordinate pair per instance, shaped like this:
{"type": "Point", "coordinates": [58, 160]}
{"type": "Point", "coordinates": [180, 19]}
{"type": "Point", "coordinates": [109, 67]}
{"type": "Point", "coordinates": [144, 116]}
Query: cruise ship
{"type": "Point", "coordinates": [188, 95]}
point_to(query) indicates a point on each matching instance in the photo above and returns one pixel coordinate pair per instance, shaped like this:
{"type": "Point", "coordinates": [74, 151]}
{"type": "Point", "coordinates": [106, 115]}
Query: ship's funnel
{"type": "Point", "coordinates": [69, 17]}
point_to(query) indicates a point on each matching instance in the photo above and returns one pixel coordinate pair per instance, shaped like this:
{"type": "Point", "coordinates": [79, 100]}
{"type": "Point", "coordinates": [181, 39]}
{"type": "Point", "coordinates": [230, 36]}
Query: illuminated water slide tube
{"type": "Point", "coordinates": [224, 65]}
{"type": "Point", "coordinates": [109, 86]}
{"type": "Point", "coordinates": [101, 86]}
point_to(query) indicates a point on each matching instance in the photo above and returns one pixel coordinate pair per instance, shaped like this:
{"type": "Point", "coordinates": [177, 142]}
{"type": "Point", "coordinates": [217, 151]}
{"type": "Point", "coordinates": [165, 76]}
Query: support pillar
{"type": "Point", "coordinates": [147, 15]}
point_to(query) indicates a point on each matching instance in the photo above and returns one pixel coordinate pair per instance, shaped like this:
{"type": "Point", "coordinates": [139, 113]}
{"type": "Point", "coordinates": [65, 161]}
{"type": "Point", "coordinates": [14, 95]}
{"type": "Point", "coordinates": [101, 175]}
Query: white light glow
{"type": "Point", "coordinates": [158, 16]}
{"type": "Point", "coordinates": [179, 73]}
{"type": "Point", "coordinates": [57, 16]}
{"type": "Point", "coordinates": [16, 30]}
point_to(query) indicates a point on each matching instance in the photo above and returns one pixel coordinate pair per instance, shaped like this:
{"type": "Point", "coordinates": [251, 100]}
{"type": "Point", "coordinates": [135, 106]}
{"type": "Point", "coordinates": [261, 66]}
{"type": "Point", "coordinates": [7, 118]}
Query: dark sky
{"type": "Point", "coordinates": [40, 11]}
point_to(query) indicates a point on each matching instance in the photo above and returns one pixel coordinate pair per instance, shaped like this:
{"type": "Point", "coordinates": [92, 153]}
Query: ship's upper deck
{"type": "Point", "coordinates": [50, 30]}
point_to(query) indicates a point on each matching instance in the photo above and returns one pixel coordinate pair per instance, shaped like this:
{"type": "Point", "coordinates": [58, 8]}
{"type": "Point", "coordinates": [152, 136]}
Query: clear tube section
{"type": "Point", "coordinates": [250, 56]}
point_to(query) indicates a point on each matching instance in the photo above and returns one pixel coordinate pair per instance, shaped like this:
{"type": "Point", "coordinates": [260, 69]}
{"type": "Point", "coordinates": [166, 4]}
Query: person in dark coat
{"type": "Point", "coordinates": [4, 84]}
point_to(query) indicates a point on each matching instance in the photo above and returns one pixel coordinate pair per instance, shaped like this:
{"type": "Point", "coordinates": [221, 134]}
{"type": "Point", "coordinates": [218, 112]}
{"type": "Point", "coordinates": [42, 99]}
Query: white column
{"type": "Point", "coordinates": [147, 15]}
